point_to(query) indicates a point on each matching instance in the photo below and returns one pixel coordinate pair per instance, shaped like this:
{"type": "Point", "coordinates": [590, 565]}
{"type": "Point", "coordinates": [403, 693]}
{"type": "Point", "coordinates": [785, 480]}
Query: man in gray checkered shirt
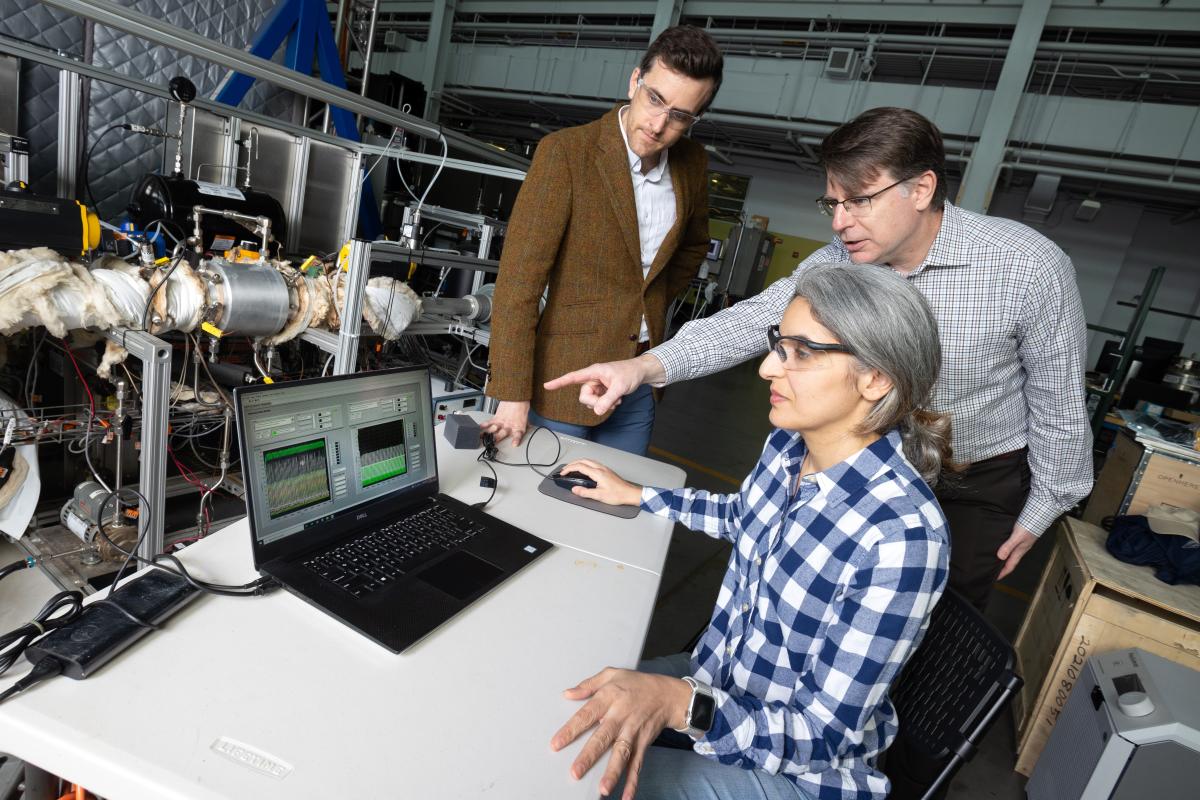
{"type": "Point", "coordinates": [1011, 324]}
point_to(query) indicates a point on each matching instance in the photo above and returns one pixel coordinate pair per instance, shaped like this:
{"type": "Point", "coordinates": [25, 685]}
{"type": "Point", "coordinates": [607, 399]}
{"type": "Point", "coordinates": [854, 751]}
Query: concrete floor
{"type": "Point", "coordinates": [714, 428]}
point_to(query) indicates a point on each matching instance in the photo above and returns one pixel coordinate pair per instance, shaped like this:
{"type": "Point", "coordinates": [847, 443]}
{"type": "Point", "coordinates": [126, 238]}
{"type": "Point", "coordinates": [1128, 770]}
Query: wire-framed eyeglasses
{"type": "Point", "coordinates": [797, 353]}
{"type": "Point", "coordinates": [658, 107]}
{"type": "Point", "coordinates": [858, 206]}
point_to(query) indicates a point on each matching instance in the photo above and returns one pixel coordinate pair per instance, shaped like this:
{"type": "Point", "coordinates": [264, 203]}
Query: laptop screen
{"type": "Point", "coordinates": [315, 449]}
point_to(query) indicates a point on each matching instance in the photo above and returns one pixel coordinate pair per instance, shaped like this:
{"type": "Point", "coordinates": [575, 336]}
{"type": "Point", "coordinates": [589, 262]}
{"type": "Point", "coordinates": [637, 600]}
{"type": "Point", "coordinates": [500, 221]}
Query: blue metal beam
{"type": "Point", "coordinates": [305, 24]}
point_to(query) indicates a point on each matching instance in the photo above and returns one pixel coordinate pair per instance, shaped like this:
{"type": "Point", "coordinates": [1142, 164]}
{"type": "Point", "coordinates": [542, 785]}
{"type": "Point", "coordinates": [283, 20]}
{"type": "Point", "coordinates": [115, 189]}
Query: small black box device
{"type": "Point", "coordinates": [462, 432]}
{"type": "Point", "coordinates": [101, 632]}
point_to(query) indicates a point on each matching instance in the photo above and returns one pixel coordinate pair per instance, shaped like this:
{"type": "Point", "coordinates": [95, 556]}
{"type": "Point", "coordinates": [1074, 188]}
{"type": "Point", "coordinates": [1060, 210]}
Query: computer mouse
{"type": "Point", "coordinates": [569, 479]}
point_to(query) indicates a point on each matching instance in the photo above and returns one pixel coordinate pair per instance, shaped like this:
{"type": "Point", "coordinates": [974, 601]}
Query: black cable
{"type": "Point", "coordinates": [488, 456]}
{"type": "Point", "coordinates": [87, 160]}
{"type": "Point", "coordinates": [482, 459]}
{"type": "Point", "coordinates": [251, 589]}
{"type": "Point", "coordinates": [50, 617]}
{"type": "Point", "coordinates": [150, 300]}
{"type": "Point", "coordinates": [531, 464]}
{"type": "Point", "coordinates": [46, 668]}
{"type": "Point", "coordinates": [25, 563]}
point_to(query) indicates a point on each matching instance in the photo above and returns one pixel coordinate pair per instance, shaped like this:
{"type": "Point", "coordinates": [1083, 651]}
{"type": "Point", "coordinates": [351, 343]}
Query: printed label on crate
{"type": "Point", "coordinates": [1075, 662]}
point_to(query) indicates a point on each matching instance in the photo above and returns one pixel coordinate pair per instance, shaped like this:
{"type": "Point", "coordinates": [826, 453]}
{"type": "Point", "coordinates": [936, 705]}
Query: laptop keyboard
{"type": "Point", "coordinates": [376, 560]}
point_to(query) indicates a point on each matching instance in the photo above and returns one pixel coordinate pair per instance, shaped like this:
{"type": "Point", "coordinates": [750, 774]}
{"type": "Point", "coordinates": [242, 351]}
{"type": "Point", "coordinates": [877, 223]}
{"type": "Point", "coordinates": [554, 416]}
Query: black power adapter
{"type": "Point", "coordinates": [105, 628]}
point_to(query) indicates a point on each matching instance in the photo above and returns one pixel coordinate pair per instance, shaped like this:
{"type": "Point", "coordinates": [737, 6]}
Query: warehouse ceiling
{"type": "Point", "coordinates": [1103, 63]}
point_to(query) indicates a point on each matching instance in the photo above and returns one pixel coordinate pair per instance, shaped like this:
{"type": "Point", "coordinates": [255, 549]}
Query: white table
{"type": "Point", "coordinates": [468, 712]}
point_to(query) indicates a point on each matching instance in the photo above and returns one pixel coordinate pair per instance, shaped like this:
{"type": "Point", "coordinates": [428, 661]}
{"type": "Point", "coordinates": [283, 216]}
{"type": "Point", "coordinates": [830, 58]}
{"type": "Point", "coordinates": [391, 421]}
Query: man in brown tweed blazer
{"type": "Point", "coordinates": [613, 218]}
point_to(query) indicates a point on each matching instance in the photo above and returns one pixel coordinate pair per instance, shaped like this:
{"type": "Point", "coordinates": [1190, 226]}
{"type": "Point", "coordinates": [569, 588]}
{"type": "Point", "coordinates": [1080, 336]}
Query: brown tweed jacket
{"type": "Point", "coordinates": [574, 228]}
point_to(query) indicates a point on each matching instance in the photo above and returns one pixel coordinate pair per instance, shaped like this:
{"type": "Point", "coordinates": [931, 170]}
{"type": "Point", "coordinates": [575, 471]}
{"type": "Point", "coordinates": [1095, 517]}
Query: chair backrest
{"type": "Point", "coordinates": [956, 683]}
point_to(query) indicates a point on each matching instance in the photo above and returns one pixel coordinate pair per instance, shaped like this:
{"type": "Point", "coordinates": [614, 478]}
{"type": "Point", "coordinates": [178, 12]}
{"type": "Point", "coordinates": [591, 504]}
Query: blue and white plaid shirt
{"type": "Point", "coordinates": [828, 592]}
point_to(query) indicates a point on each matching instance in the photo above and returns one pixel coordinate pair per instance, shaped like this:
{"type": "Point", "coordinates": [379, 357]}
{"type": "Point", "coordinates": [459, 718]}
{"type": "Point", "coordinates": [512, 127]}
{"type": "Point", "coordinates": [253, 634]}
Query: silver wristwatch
{"type": "Point", "coordinates": [702, 708]}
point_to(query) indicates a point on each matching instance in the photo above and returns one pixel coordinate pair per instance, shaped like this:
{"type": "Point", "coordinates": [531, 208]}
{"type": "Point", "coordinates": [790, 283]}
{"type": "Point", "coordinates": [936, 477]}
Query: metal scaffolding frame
{"type": "Point", "coordinates": [154, 353]}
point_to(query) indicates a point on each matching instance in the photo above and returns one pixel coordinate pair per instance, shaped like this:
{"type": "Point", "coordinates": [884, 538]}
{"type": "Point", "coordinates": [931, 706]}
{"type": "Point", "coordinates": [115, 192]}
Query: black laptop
{"type": "Point", "coordinates": [342, 496]}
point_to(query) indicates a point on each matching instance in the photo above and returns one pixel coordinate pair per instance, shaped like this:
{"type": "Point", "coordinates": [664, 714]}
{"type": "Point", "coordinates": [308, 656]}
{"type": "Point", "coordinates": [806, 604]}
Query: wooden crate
{"type": "Point", "coordinates": [1140, 473]}
{"type": "Point", "coordinates": [1089, 602]}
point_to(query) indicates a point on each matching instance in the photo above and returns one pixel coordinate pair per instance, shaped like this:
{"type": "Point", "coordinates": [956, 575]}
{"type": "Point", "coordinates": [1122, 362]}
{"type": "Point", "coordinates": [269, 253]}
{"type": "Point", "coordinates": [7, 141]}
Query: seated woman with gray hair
{"type": "Point", "coordinates": [840, 553]}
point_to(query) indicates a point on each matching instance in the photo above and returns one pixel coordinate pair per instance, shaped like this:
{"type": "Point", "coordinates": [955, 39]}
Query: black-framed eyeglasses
{"type": "Point", "coordinates": [858, 206]}
{"type": "Point", "coordinates": [658, 106]}
{"type": "Point", "coordinates": [796, 352]}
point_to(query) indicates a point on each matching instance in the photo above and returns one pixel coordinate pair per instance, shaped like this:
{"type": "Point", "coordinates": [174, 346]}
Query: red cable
{"type": "Point", "coordinates": [86, 388]}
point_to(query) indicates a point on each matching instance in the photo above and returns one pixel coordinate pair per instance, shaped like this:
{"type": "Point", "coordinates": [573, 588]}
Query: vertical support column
{"type": "Point", "coordinates": [437, 48]}
{"type": "Point", "coordinates": [975, 194]}
{"type": "Point", "coordinates": [666, 14]}
{"type": "Point", "coordinates": [230, 152]}
{"type": "Point", "coordinates": [369, 48]}
{"type": "Point", "coordinates": [353, 197]}
{"type": "Point", "coordinates": [358, 264]}
{"type": "Point", "coordinates": [485, 245]}
{"type": "Point", "coordinates": [70, 89]}
{"type": "Point", "coordinates": [299, 180]}
{"type": "Point", "coordinates": [155, 355]}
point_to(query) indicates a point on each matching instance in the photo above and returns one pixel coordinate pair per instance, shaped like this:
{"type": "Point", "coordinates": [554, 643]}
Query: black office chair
{"type": "Point", "coordinates": [948, 695]}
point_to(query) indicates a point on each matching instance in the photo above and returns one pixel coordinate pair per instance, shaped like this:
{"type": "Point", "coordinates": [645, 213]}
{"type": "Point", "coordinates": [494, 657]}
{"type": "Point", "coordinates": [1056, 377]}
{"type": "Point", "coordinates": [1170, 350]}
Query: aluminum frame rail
{"type": "Point", "coordinates": [153, 30]}
{"type": "Point", "coordinates": [49, 58]}
{"type": "Point", "coordinates": [343, 345]}
{"type": "Point", "coordinates": [155, 355]}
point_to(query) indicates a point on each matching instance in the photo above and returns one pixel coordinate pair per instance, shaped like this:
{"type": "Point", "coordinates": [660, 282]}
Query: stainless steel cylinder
{"type": "Point", "coordinates": [475, 307]}
{"type": "Point", "coordinates": [246, 299]}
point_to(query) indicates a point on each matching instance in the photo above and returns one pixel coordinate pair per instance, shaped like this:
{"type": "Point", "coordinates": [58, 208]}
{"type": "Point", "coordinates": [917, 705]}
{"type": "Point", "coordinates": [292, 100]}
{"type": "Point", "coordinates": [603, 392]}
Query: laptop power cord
{"type": "Point", "coordinates": [86, 639]}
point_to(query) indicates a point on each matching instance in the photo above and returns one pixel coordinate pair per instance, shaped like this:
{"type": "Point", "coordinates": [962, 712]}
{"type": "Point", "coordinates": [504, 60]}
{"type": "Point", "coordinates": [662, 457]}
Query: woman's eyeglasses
{"type": "Point", "coordinates": [798, 353]}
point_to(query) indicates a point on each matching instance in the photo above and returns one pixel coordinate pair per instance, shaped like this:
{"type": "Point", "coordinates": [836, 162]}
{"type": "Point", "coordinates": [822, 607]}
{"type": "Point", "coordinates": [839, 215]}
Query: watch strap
{"type": "Point", "coordinates": [703, 691]}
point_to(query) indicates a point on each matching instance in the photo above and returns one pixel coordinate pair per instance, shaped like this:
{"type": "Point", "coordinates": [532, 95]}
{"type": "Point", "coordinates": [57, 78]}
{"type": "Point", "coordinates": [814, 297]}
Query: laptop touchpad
{"type": "Point", "coordinates": [460, 575]}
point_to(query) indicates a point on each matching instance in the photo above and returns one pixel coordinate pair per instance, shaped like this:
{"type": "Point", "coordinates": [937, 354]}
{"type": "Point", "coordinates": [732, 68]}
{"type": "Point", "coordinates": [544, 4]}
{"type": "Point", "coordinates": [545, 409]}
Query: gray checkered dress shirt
{"type": "Point", "coordinates": [1013, 349]}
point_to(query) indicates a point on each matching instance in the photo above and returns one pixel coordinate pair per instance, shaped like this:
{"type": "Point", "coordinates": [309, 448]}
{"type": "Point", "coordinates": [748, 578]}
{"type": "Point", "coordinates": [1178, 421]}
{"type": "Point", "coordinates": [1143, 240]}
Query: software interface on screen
{"type": "Point", "coordinates": [319, 449]}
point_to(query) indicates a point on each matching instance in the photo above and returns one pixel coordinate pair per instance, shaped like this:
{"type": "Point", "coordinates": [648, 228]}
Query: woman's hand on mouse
{"type": "Point", "coordinates": [611, 488]}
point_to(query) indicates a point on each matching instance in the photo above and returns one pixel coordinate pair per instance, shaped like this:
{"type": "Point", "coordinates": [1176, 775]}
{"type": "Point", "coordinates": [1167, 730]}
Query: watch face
{"type": "Point", "coordinates": [703, 710]}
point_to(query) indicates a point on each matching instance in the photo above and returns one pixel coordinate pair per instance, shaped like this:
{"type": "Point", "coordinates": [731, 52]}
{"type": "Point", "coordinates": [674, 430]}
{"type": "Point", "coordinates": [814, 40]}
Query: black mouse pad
{"type": "Point", "coordinates": [551, 489]}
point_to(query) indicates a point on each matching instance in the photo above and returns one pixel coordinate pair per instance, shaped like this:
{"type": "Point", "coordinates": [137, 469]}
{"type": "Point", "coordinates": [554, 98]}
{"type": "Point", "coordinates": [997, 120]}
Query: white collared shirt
{"type": "Point", "coordinates": [654, 199]}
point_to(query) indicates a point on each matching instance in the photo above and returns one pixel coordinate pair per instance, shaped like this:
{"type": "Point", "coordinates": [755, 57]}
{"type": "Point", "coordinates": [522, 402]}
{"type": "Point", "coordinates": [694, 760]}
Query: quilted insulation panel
{"type": "Point", "coordinates": [120, 158]}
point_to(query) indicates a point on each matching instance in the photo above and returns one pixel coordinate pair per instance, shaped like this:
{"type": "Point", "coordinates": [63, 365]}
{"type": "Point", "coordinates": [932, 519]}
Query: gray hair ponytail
{"type": "Point", "coordinates": [890, 328]}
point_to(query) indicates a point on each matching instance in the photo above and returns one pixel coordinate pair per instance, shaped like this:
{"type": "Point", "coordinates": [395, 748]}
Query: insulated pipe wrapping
{"type": "Point", "coordinates": [309, 304]}
{"type": "Point", "coordinates": [178, 306]}
{"type": "Point", "coordinates": [126, 290]}
{"type": "Point", "coordinates": [113, 354]}
{"type": "Point", "coordinates": [37, 287]}
{"type": "Point", "coordinates": [389, 306]}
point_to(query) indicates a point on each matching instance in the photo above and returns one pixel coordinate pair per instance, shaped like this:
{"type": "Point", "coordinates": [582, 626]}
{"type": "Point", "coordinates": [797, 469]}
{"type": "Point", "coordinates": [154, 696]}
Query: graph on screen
{"type": "Point", "coordinates": [297, 477]}
{"type": "Point", "coordinates": [381, 452]}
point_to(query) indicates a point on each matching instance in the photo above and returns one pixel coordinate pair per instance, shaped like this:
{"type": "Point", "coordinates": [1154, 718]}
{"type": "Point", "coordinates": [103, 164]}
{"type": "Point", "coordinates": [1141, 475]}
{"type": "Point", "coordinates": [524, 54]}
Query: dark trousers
{"type": "Point", "coordinates": [981, 505]}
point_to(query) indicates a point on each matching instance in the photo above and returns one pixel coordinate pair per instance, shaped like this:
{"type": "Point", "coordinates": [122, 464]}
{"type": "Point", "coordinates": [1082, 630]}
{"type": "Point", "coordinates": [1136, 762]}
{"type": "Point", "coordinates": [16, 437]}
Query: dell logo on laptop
{"type": "Point", "coordinates": [358, 517]}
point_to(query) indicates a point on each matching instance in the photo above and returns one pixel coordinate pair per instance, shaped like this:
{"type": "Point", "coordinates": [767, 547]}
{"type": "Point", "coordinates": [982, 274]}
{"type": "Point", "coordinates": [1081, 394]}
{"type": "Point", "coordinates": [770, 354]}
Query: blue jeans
{"type": "Point", "coordinates": [627, 428]}
{"type": "Point", "coordinates": [669, 774]}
